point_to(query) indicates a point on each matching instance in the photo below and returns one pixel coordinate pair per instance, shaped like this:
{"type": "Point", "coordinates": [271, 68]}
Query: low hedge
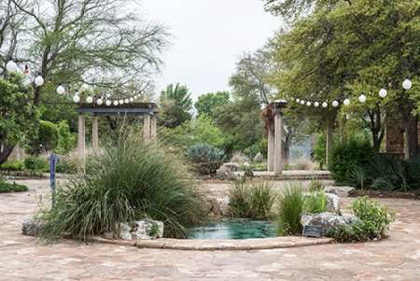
{"type": "Point", "coordinates": [12, 187]}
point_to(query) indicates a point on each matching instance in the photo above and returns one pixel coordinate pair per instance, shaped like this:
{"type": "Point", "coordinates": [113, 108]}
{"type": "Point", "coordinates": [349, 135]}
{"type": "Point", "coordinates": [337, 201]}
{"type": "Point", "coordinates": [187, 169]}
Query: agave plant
{"type": "Point", "coordinates": [206, 158]}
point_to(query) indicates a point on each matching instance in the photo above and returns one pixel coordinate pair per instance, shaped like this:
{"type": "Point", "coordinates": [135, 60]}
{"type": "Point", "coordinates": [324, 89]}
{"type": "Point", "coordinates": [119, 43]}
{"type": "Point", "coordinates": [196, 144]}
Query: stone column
{"type": "Point", "coordinates": [95, 136]}
{"type": "Point", "coordinates": [153, 128]}
{"type": "Point", "coordinates": [271, 148]}
{"type": "Point", "coordinates": [329, 144]}
{"type": "Point", "coordinates": [278, 136]}
{"type": "Point", "coordinates": [146, 128]}
{"type": "Point", "coordinates": [81, 140]}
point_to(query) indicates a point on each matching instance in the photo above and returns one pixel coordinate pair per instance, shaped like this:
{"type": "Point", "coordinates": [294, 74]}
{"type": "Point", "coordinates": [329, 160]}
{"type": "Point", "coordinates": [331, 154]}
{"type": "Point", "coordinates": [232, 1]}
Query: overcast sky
{"type": "Point", "coordinates": [208, 38]}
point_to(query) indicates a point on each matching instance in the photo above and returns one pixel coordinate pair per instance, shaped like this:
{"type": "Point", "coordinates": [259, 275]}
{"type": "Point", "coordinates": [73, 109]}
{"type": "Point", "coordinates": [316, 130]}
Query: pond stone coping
{"type": "Point", "coordinates": [220, 244]}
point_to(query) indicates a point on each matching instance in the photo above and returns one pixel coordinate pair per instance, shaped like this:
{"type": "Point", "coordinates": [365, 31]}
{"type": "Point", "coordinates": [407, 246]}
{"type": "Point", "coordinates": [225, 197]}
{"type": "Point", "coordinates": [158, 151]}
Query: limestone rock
{"type": "Point", "coordinates": [142, 230]}
{"type": "Point", "coordinates": [341, 191]}
{"type": "Point", "coordinates": [328, 221]}
{"type": "Point", "coordinates": [227, 171]}
{"type": "Point", "coordinates": [258, 158]}
{"type": "Point", "coordinates": [31, 227]}
{"type": "Point", "coordinates": [333, 203]}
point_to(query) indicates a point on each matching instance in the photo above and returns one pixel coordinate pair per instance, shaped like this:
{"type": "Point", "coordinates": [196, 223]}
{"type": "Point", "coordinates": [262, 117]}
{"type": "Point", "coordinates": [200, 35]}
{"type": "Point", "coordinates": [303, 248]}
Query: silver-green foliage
{"type": "Point", "coordinates": [127, 181]}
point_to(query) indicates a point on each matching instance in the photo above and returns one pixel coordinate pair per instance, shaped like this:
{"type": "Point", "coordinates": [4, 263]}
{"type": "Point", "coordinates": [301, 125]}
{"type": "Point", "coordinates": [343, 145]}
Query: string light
{"type": "Point", "coordinates": [383, 93]}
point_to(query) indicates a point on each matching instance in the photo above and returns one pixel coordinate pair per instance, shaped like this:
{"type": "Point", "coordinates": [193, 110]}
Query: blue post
{"type": "Point", "coordinates": [53, 162]}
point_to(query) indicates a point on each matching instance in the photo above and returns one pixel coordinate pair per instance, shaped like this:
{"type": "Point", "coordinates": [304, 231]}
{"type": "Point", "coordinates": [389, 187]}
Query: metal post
{"type": "Point", "coordinates": [53, 162]}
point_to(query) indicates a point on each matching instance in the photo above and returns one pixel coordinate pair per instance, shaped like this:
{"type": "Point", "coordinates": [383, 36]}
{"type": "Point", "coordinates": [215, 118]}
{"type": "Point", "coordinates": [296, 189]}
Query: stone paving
{"type": "Point", "coordinates": [23, 258]}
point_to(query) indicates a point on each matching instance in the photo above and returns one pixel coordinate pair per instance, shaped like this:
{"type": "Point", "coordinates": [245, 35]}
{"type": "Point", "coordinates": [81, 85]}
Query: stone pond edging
{"type": "Point", "coordinates": [219, 245]}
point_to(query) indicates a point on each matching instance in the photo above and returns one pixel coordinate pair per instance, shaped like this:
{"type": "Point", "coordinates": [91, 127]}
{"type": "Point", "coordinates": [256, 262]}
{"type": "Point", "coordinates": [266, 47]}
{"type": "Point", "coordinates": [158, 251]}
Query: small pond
{"type": "Point", "coordinates": [234, 229]}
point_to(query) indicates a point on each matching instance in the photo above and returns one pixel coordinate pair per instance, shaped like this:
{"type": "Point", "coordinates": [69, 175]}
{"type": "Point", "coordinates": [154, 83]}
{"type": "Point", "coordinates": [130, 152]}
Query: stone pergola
{"type": "Point", "coordinates": [146, 109]}
{"type": "Point", "coordinates": [274, 125]}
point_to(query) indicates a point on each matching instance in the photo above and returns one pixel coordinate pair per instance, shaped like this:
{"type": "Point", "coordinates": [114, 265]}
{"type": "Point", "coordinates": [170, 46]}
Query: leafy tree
{"type": "Point", "coordinates": [207, 104]}
{"type": "Point", "coordinates": [92, 42]}
{"type": "Point", "coordinates": [176, 104]}
{"type": "Point", "coordinates": [345, 48]}
{"type": "Point", "coordinates": [18, 117]}
{"type": "Point", "coordinates": [66, 140]}
{"type": "Point", "coordinates": [200, 130]}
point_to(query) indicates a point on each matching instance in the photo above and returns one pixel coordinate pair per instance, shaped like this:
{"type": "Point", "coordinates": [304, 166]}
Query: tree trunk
{"type": "Point", "coordinates": [411, 132]}
{"type": "Point", "coordinates": [5, 151]}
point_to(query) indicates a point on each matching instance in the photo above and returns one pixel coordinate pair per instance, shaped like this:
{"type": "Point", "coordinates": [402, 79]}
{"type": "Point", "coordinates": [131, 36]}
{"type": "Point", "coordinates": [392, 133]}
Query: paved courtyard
{"type": "Point", "coordinates": [23, 258]}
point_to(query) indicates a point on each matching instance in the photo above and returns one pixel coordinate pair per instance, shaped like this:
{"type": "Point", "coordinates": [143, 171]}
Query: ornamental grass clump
{"type": "Point", "coordinates": [127, 181]}
{"type": "Point", "coordinates": [291, 205]}
{"type": "Point", "coordinates": [251, 200]}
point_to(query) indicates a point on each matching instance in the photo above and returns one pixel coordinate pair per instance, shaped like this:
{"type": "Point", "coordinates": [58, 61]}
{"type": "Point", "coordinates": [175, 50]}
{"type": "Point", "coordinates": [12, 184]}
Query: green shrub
{"type": "Point", "coordinates": [12, 187]}
{"type": "Point", "coordinates": [374, 222]}
{"type": "Point", "coordinates": [251, 200]}
{"type": "Point", "coordinates": [291, 205]}
{"type": "Point", "coordinates": [205, 158]}
{"type": "Point", "coordinates": [128, 181]}
{"type": "Point", "coordinates": [66, 140]}
{"type": "Point", "coordinates": [67, 166]}
{"type": "Point", "coordinates": [351, 153]}
{"type": "Point", "coordinates": [315, 203]}
{"type": "Point", "coordinates": [45, 140]}
{"type": "Point", "coordinates": [12, 166]}
{"type": "Point", "coordinates": [36, 163]}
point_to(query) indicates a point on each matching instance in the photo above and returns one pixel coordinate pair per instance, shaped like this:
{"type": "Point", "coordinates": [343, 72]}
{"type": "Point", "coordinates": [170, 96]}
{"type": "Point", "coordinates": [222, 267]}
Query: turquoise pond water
{"type": "Point", "coordinates": [234, 229]}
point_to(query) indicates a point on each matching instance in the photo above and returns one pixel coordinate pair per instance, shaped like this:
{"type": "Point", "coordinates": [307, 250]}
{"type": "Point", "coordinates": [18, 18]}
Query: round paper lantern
{"type": "Point", "coordinates": [60, 90]}
{"type": "Point", "coordinates": [39, 81]}
{"type": "Point", "coordinates": [407, 84]}
{"type": "Point", "coordinates": [383, 93]}
{"type": "Point", "coordinates": [76, 98]}
{"type": "Point", "coordinates": [11, 66]}
{"type": "Point", "coordinates": [346, 102]}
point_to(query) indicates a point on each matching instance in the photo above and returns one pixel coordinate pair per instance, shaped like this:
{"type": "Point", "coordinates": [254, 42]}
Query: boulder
{"type": "Point", "coordinates": [31, 227]}
{"type": "Point", "coordinates": [142, 230]}
{"type": "Point", "coordinates": [333, 203]}
{"type": "Point", "coordinates": [258, 158]}
{"type": "Point", "coordinates": [328, 221]}
{"type": "Point", "coordinates": [341, 191]}
{"type": "Point", "coordinates": [227, 171]}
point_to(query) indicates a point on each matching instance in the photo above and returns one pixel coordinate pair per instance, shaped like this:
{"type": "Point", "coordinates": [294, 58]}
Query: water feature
{"type": "Point", "coordinates": [234, 229]}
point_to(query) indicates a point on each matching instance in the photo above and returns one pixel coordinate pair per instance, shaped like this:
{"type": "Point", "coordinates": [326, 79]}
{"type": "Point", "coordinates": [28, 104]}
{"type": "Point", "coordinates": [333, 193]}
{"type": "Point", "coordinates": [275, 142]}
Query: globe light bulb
{"type": "Point", "coordinates": [39, 81]}
{"type": "Point", "coordinates": [99, 102]}
{"type": "Point", "coordinates": [11, 66]}
{"type": "Point", "coordinates": [362, 98]}
{"type": "Point", "coordinates": [316, 104]}
{"type": "Point", "coordinates": [126, 101]}
{"type": "Point", "coordinates": [121, 102]}
{"type": "Point", "coordinates": [89, 99]}
{"type": "Point", "coordinates": [324, 104]}
{"type": "Point", "coordinates": [346, 102]}
{"type": "Point", "coordinates": [60, 90]}
{"type": "Point", "coordinates": [76, 98]}
{"type": "Point", "coordinates": [383, 93]}
{"type": "Point", "coordinates": [407, 84]}
{"type": "Point", "coordinates": [131, 99]}
{"type": "Point", "coordinates": [308, 103]}
{"type": "Point", "coordinates": [335, 103]}
{"type": "Point", "coordinates": [115, 103]}
{"type": "Point", "coordinates": [108, 103]}
{"type": "Point", "coordinates": [302, 102]}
